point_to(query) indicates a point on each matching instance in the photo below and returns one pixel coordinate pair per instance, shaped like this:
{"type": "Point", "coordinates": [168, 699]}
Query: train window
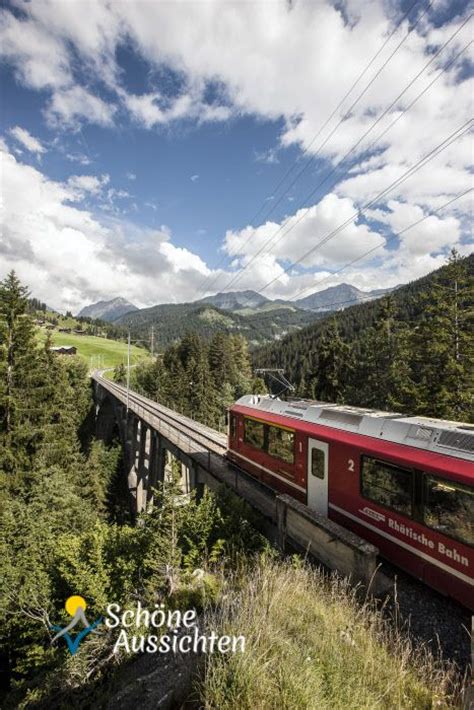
{"type": "Point", "coordinates": [449, 508]}
{"type": "Point", "coordinates": [254, 433]}
{"type": "Point", "coordinates": [387, 484]}
{"type": "Point", "coordinates": [233, 426]}
{"type": "Point", "coordinates": [317, 463]}
{"type": "Point", "coordinates": [281, 444]}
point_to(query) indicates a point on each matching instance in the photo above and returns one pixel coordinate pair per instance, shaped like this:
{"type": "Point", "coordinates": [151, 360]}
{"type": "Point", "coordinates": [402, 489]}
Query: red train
{"type": "Point", "coordinates": [406, 484]}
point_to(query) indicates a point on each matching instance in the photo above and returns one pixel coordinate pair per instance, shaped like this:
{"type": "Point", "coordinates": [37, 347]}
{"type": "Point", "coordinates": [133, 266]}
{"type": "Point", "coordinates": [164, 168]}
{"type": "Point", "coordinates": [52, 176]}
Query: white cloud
{"type": "Point", "coordinates": [69, 257]}
{"type": "Point", "coordinates": [79, 158]}
{"type": "Point", "coordinates": [118, 194]}
{"type": "Point", "coordinates": [144, 109]}
{"type": "Point", "coordinates": [285, 62]}
{"type": "Point", "coordinates": [298, 233]}
{"type": "Point", "coordinates": [266, 250]}
{"type": "Point", "coordinates": [27, 140]}
{"type": "Point", "coordinates": [268, 156]}
{"type": "Point", "coordinates": [131, 176]}
{"type": "Point", "coordinates": [290, 62]}
{"type": "Point", "coordinates": [435, 233]}
{"type": "Point", "coordinates": [80, 185]}
{"type": "Point", "coordinates": [193, 178]}
{"type": "Point", "coordinates": [300, 50]}
{"type": "Point", "coordinates": [69, 107]}
{"type": "Point", "coordinates": [39, 57]}
{"type": "Point", "coordinates": [149, 110]}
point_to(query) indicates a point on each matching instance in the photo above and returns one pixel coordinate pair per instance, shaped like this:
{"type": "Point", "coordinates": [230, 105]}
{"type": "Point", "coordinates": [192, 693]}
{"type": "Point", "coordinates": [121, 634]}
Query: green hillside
{"type": "Point", "coordinates": [411, 351]}
{"type": "Point", "coordinates": [265, 308]}
{"type": "Point", "coordinates": [173, 321]}
{"type": "Point", "coordinates": [42, 316]}
{"type": "Point", "coordinates": [98, 352]}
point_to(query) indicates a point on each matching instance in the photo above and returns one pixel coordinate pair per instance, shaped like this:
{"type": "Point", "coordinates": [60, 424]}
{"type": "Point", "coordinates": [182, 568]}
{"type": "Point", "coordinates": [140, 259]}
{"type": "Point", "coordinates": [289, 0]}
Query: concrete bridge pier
{"type": "Point", "coordinates": [148, 455]}
{"type": "Point", "coordinates": [185, 481]}
{"type": "Point", "coordinates": [105, 419]}
{"type": "Point", "coordinates": [131, 458]}
{"type": "Point", "coordinates": [143, 463]}
{"type": "Point", "coordinates": [156, 466]}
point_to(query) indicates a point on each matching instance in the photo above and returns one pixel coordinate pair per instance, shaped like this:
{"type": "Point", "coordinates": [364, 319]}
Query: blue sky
{"type": "Point", "coordinates": [139, 146]}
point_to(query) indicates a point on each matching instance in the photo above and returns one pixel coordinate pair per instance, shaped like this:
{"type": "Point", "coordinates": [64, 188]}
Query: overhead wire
{"type": "Point", "coordinates": [238, 275]}
{"type": "Point", "coordinates": [458, 133]}
{"type": "Point", "coordinates": [335, 110]}
{"type": "Point", "coordinates": [389, 240]}
{"type": "Point", "coordinates": [339, 105]}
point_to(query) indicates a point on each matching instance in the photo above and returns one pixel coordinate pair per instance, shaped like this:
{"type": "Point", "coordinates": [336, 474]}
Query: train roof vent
{"type": "Point", "coordinates": [304, 407]}
{"type": "Point", "coordinates": [341, 417]}
{"type": "Point", "coordinates": [419, 432]}
{"type": "Point", "coordinates": [457, 440]}
{"type": "Point", "coordinates": [293, 413]}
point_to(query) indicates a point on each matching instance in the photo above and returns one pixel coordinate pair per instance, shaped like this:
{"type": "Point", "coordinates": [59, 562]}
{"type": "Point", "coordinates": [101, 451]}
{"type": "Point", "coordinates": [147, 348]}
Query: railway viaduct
{"type": "Point", "coordinates": [150, 432]}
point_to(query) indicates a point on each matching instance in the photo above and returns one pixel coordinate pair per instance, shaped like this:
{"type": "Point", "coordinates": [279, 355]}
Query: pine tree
{"type": "Point", "coordinates": [24, 385]}
{"type": "Point", "coordinates": [221, 358]}
{"type": "Point", "coordinates": [241, 369]}
{"type": "Point", "coordinates": [334, 366]}
{"type": "Point", "coordinates": [380, 358]}
{"type": "Point", "coordinates": [201, 391]}
{"type": "Point", "coordinates": [443, 345]}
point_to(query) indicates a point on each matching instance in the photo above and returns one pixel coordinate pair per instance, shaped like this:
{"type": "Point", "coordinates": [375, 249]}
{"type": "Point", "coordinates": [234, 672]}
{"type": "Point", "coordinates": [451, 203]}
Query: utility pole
{"type": "Point", "coordinates": [152, 340]}
{"type": "Point", "coordinates": [128, 369]}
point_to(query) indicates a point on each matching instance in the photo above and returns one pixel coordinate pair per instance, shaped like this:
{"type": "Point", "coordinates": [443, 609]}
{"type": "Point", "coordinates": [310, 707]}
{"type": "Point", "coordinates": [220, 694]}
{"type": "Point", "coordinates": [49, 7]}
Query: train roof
{"type": "Point", "coordinates": [437, 435]}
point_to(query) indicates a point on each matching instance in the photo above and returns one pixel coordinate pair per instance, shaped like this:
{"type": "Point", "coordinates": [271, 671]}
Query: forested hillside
{"type": "Point", "coordinates": [197, 377]}
{"type": "Point", "coordinates": [173, 321]}
{"type": "Point", "coordinates": [66, 530]}
{"type": "Point", "coordinates": [65, 527]}
{"type": "Point", "coordinates": [412, 351]}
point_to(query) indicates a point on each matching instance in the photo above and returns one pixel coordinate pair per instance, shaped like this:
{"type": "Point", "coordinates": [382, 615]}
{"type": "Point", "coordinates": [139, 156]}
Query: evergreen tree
{"type": "Point", "coordinates": [120, 374]}
{"type": "Point", "coordinates": [24, 380]}
{"type": "Point", "coordinates": [202, 400]}
{"type": "Point", "coordinates": [380, 358]}
{"type": "Point", "coordinates": [334, 366]}
{"type": "Point", "coordinates": [442, 345]}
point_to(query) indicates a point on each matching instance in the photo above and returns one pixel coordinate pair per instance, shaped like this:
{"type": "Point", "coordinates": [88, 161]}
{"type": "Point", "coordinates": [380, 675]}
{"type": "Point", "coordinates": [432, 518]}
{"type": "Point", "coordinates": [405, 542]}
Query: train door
{"type": "Point", "coordinates": [318, 476]}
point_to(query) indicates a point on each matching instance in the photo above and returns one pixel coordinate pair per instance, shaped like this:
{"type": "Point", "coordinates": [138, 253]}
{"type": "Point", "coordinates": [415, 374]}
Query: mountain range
{"type": "Point", "coordinates": [329, 299]}
{"type": "Point", "coordinates": [242, 302]}
{"type": "Point", "coordinates": [247, 313]}
{"type": "Point", "coordinates": [235, 300]}
{"type": "Point", "coordinates": [108, 310]}
{"type": "Point", "coordinates": [337, 298]}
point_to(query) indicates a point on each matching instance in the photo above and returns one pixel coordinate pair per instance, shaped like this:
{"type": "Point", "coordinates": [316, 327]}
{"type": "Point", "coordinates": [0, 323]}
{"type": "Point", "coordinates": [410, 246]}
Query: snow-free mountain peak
{"type": "Point", "coordinates": [108, 310]}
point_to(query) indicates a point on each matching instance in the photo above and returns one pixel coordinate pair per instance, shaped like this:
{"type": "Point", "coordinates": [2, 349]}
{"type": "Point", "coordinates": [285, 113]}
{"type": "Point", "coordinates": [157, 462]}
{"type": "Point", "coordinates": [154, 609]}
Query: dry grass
{"type": "Point", "coordinates": [311, 644]}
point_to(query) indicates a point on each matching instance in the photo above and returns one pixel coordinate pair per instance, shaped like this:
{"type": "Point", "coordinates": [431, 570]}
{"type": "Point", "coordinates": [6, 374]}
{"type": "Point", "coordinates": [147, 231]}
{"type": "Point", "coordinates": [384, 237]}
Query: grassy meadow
{"type": "Point", "coordinates": [98, 352]}
{"type": "Point", "coordinates": [311, 645]}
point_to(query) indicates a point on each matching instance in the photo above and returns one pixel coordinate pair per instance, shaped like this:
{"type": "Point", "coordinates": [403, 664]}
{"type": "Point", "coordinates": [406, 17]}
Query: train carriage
{"type": "Point", "coordinates": [406, 484]}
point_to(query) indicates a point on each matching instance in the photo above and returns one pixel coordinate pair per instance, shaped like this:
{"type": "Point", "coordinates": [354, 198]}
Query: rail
{"type": "Point", "coordinates": [285, 520]}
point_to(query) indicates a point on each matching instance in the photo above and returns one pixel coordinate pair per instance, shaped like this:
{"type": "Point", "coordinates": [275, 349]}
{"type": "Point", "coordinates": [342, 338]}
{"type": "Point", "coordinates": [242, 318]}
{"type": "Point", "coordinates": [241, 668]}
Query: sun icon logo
{"type": "Point", "coordinates": [74, 603]}
{"type": "Point", "coordinates": [75, 607]}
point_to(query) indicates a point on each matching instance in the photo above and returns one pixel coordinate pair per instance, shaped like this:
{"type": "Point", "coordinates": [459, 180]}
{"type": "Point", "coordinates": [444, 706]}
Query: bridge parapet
{"type": "Point", "coordinates": [154, 430]}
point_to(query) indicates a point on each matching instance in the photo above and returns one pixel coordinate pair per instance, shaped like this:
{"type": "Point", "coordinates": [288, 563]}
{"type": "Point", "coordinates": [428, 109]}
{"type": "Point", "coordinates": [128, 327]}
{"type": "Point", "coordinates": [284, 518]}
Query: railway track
{"type": "Point", "coordinates": [195, 431]}
{"type": "Point", "coordinates": [438, 622]}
